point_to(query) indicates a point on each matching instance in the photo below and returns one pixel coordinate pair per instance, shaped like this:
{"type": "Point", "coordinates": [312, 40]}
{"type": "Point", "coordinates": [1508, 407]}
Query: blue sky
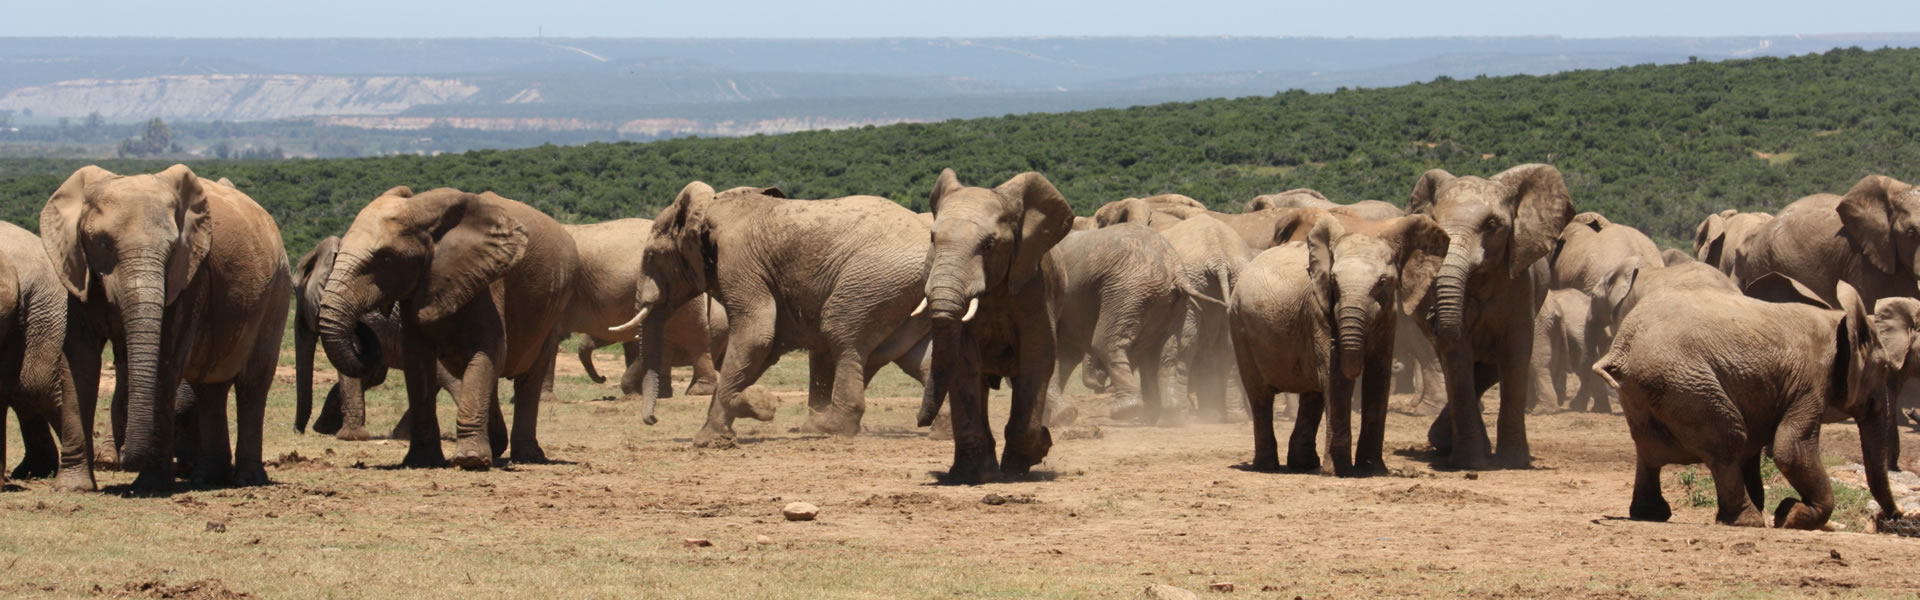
{"type": "Point", "coordinates": [978, 18]}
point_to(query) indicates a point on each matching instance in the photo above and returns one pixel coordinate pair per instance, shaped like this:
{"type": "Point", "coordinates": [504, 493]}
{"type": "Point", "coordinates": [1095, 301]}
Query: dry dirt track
{"type": "Point", "coordinates": [1114, 509]}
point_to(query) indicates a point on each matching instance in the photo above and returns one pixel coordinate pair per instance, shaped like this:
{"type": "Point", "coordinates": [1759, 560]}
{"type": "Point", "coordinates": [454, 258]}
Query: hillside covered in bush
{"type": "Point", "coordinates": [1657, 147]}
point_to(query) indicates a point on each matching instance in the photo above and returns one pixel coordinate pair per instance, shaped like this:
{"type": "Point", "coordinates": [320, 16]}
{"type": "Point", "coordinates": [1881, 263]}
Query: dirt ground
{"type": "Point", "coordinates": [1114, 509]}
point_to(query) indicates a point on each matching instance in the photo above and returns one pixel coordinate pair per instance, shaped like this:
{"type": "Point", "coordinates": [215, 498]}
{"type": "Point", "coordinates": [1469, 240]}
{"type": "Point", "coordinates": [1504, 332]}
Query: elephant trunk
{"type": "Point", "coordinates": [941, 373]}
{"type": "Point", "coordinates": [351, 345]}
{"type": "Point", "coordinates": [304, 339]}
{"type": "Point", "coordinates": [143, 313]}
{"type": "Point", "coordinates": [954, 283]}
{"type": "Point", "coordinates": [653, 364]}
{"type": "Point", "coordinates": [1450, 293]}
{"type": "Point", "coordinates": [1874, 434]}
{"type": "Point", "coordinates": [1352, 328]}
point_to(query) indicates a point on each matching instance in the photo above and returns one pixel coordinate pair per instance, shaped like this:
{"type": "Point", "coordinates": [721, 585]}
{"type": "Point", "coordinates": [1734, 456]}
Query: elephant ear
{"type": "Point", "coordinates": [1895, 321]}
{"type": "Point", "coordinates": [10, 300]}
{"type": "Point", "coordinates": [310, 278]}
{"type": "Point", "coordinates": [1866, 214]}
{"type": "Point", "coordinates": [195, 225]}
{"type": "Point", "coordinates": [227, 183]}
{"type": "Point", "coordinates": [685, 222]}
{"type": "Point", "coordinates": [1541, 208]}
{"type": "Point", "coordinates": [1859, 349]}
{"type": "Point", "coordinates": [1045, 218]}
{"type": "Point", "coordinates": [1294, 225]}
{"type": "Point", "coordinates": [1674, 257]}
{"type": "Point", "coordinates": [1593, 221]}
{"type": "Point", "coordinates": [1421, 246]}
{"type": "Point", "coordinates": [771, 192]}
{"type": "Point", "coordinates": [947, 184]}
{"type": "Point", "coordinates": [1709, 229]}
{"type": "Point", "coordinates": [60, 228]}
{"type": "Point", "coordinates": [1320, 240]}
{"type": "Point", "coordinates": [1781, 289]}
{"type": "Point", "coordinates": [475, 241]}
{"type": "Point", "coordinates": [1618, 285]}
{"type": "Point", "coordinates": [1130, 210]}
{"type": "Point", "coordinates": [1424, 191]}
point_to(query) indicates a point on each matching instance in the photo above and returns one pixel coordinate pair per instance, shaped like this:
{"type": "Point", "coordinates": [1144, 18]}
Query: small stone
{"type": "Point", "coordinates": [217, 526]}
{"type": "Point", "coordinates": [696, 543]}
{"type": "Point", "coordinates": [1473, 476]}
{"type": "Point", "coordinates": [1224, 587]}
{"type": "Point", "coordinates": [800, 511]}
{"type": "Point", "coordinates": [1834, 554]}
{"type": "Point", "coordinates": [1161, 591]}
{"type": "Point", "coordinates": [763, 540]}
{"type": "Point", "coordinates": [993, 500]}
{"type": "Point", "coordinates": [1745, 548]}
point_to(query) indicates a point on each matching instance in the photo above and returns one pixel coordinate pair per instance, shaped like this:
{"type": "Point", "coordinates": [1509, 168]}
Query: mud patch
{"type": "Point", "coordinates": [1421, 493]}
{"type": "Point", "coordinates": [202, 589]}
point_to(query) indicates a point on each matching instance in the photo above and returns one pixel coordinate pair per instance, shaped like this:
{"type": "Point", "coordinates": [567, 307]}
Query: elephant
{"type": "Point", "coordinates": [606, 282]}
{"type": "Point", "coordinates": [1711, 377]}
{"type": "Point", "coordinates": [993, 288]}
{"type": "Point", "coordinates": [480, 284]}
{"type": "Point", "coordinates": [1674, 257]}
{"type": "Point", "coordinates": [839, 278]}
{"type": "Point", "coordinates": [1373, 210]}
{"type": "Point", "coordinates": [1589, 255]}
{"type": "Point", "coordinates": [1869, 238]}
{"type": "Point", "coordinates": [1722, 237]}
{"type": "Point", "coordinates": [188, 279]}
{"type": "Point", "coordinates": [1163, 211]}
{"type": "Point", "coordinates": [1212, 256]}
{"type": "Point", "coordinates": [1484, 299]}
{"type": "Point", "coordinates": [35, 381]}
{"type": "Point", "coordinates": [1125, 299]}
{"type": "Point", "coordinates": [344, 415]}
{"type": "Point", "coordinates": [1314, 317]}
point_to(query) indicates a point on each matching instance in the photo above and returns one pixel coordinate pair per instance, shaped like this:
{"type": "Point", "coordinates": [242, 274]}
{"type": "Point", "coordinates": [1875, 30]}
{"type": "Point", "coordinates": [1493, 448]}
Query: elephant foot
{"type": "Point", "coordinates": [75, 480]}
{"type": "Point", "coordinates": [829, 425]}
{"type": "Point", "coordinates": [942, 428]}
{"type": "Point", "coordinates": [212, 474]}
{"type": "Point", "coordinates": [973, 469]}
{"type": "Point", "coordinates": [1440, 434]}
{"type": "Point", "coordinates": [1794, 514]}
{"type": "Point", "coordinates": [328, 423]}
{"type": "Point", "coordinates": [35, 468]}
{"type": "Point", "coordinates": [154, 481]}
{"type": "Point", "coordinates": [756, 403]}
{"type": "Point", "coordinates": [1470, 460]}
{"type": "Point", "coordinates": [250, 475]}
{"type": "Point", "coordinates": [104, 457]}
{"type": "Point", "coordinates": [528, 452]}
{"type": "Point", "coordinates": [475, 453]}
{"type": "Point", "coordinates": [1749, 517]}
{"type": "Point", "coordinates": [352, 434]}
{"type": "Point", "coordinates": [1513, 457]}
{"type": "Point", "coordinates": [1655, 510]}
{"type": "Point", "coordinates": [425, 456]}
{"type": "Point", "coordinates": [1298, 464]}
{"type": "Point", "coordinates": [1020, 457]}
{"type": "Point", "coordinates": [700, 387]}
{"type": "Point", "coordinates": [1368, 467]}
{"type": "Point", "coordinates": [1061, 416]}
{"type": "Point", "coordinates": [1127, 408]}
{"type": "Point", "coordinates": [709, 437]}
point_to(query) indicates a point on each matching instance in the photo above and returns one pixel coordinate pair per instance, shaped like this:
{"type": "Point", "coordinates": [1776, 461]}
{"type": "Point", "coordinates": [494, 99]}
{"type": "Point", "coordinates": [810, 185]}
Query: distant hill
{"type": "Point", "coordinates": [1657, 147]}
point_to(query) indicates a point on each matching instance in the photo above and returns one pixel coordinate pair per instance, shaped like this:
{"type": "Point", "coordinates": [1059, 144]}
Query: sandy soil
{"type": "Point", "coordinates": [1115, 508]}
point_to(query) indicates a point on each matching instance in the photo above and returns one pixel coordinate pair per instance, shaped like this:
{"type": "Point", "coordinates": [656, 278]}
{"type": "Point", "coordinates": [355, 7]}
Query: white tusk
{"type": "Point", "coordinates": [972, 306]}
{"type": "Point", "coordinates": [631, 325]}
{"type": "Point", "coordinates": [919, 309]}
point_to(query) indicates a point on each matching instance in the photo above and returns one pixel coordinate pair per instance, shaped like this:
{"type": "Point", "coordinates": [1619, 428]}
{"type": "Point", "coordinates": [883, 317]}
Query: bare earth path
{"type": "Point", "coordinates": [1114, 509]}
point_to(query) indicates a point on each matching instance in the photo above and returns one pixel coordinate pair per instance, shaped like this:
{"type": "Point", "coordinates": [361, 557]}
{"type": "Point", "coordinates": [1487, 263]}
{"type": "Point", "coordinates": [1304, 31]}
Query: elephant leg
{"type": "Point", "coordinates": [529, 391]}
{"type": "Point", "coordinates": [1123, 381]}
{"type": "Point", "coordinates": [1459, 431]}
{"type": "Point", "coordinates": [827, 370]}
{"type": "Point", "coordinates": [1301, 453]}
{"type": "Point", "coordinates": [1648, 505]}
{"type": "Point", "coordinates": [1796, 451]}
{"type": "Point", "coordinates": [1063, 412]}
{"type": "Point", "coordinates": [1027, 436]}
{"type": "Point", "coordinates": [703, 375]}
{"type": "Point", "coordinates": [545, 376]}
{"type": "Point", "coordinates": [250, 414]}
{"type": "Point", "coordinates": [1375, 387]}
{"type": "Point", "coordinates": [750, 352]}
{"type": "Point", "coordinates": [213, 464]}
{"type": "Point", "coordinates": [332, 413]}
{"type": "Point", "coordinates": [83, 366]}
{"type": "Point", "coordinates": [973, 444]}
{"type": "Point", "coordinates": [423, 432]}
{"type": "Point", "coordinates": [1417, 353]}
{"type": "Point", "coordinates": [1339, 408]}
{"type": "Point", "coordinates": [1730, 488]}
{"type": "Point", "coordinates": [41, 455]}
{"type": "Point", "coordinates": [1266, 452]}
{"type": "Point", "coordinates": [117, 408]}
{"type": "Point", "coordinates": [1545, 368]}
{"type": "Point", "coordinates": [473, 442]}
{"type": "Point", "coordinates": [916, 362]}
{"type": "Point", "coordinates": [1756, 487]}
{"type": "Point", "coordinates": [76, 437]}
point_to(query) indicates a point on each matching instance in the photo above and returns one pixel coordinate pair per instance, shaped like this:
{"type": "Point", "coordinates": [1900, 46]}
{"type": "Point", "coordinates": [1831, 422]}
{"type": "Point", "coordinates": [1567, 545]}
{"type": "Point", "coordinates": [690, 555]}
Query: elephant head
{"type": "Point", "coordinates": [309, 282]}
{"type": "Point", "coordinates": [1496, 226]}
{"type": "Point", "coordinates": [1881, 220]}
{"type": "Point", "coordinates": [137, 242]}
{"type": "Point", "coordinates": [1294, 198]}
{"type": "Point", "coordinates": [1710, 232]}
{"type": "Point", "coordinates": [1368, 270]}
{"type": "Point", "coordinates": [1130, 210]}
{"type": "Point", "coordinates": [428, 254]}
{"type": "Point", "coordinates": [677, 266]}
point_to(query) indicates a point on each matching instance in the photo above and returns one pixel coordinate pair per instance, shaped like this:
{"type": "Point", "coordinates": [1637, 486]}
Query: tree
{"type": "Point", "coordinates": [94, 121]}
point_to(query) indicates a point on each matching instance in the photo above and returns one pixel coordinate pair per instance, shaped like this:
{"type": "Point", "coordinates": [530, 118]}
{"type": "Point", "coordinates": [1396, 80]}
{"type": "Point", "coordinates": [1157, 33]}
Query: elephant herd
{"type": "Point", "coordinates": [1772, 326]}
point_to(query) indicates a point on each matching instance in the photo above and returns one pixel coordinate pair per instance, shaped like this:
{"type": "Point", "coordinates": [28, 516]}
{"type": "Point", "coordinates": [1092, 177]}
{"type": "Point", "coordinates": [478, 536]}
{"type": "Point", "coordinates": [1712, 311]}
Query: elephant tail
{"type": "Point", "coordinates": [1187, 288]}
{"type": "Point", "coordinates": [1608, 370]}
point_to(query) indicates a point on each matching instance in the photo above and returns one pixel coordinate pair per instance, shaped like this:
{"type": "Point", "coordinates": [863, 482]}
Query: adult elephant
{"type": "Point", "coordinates": [34, 379]}
{"type": "Point", "coordinates": [1718, 378]}
{"type": "Point", "coordinates": [1568, 333]}
{"type": "Point", "coordinates": [1484, 299]}
{"type": "Point", "coordinates": [1869, 238]}
{"type": "Point", "coordinates": [838, 278]}
{"type": "Point", "coordinates": [606, 280]}
{"type": "Point", "coordinates": [1163, 211]}
{"type": "Point", "coordinates": [480, 283]}
{"type": "Point", "coordinates": [1720, 238]}
{"type": "Point", "coordinates": [1125, 297]}
{"type": "Point", "coordinates": [1211, 255]}
{"type": "Point", "coordinates": [993, 288]}
{"type": "Point", "coordinates": [1316, 318]}
{"type": "Point", "coordinates": [1374, 210]}
{"type": "Point", "coordinates": [344, 413]}
{"type": "Point", "coordinates": [188, 280]}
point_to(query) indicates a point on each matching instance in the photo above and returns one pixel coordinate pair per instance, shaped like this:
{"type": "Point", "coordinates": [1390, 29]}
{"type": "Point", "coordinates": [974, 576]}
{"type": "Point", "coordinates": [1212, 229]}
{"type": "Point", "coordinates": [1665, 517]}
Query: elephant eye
{"type": "Point", "coordinates": [1493, 223]}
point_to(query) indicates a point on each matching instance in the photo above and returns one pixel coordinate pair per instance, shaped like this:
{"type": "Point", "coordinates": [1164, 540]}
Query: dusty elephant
{"type": "Point", "coordinates": [1125, 297]}
{"type": "Point", "coordinates": [1212, 256]}
{"type": "Point", "coordinates": [34, 379]}
{"type": "Point", "coordinates": [993, 288]}
{"type": "Point", "coordinates": [480, 282]}
{"type": "Point", "coordinates": [1720, 238]}
{"type": "Point", "coordinates": [1718, 378]}
{"type": "Point", "coordinates": [1589, 256]}
{"type": "Point", "coordinates": [1316, 318]}
{"type": "Point", "coordinates": [606, 280]}
{"type": "Point", "coordinates": [1163, 211]}
{"type": "Point", "coordinates": [189, 281]}
{"type": "Point", "coordinates": [839, 278]}
{"type": "Point", "coordinates": [344, 413]}
{"type": "Point", "coordinates": [1484, 299]}
{"type": "Point", "coordinates": [1372, 210]}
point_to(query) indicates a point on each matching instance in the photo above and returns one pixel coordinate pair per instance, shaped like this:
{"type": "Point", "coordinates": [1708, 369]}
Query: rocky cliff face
{"type": "Point", "coordinates": [235, 97]}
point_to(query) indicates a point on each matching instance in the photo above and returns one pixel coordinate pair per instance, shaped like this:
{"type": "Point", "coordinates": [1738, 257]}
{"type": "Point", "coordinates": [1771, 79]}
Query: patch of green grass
{"type": "Point", "coordinates": [1852, 506]}
{"type": "Point", "coordinates": [1698, 487]}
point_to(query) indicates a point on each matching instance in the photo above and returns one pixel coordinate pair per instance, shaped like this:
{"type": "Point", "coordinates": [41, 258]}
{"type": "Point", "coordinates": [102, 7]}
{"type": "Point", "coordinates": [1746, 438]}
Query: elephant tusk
{"type": "Point", "coordinates": [972, 306]}
{"type": "Point", "coordinates": [920, 309]}
{"type": "Point", "coordinates": [631, 325]}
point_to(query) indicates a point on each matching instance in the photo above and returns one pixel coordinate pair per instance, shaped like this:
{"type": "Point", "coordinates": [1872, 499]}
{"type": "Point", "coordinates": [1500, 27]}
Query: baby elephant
{"type": "Point", "coordinates": [1318, 317]}
{"type": "Point", "coordinates": [1712, 377]}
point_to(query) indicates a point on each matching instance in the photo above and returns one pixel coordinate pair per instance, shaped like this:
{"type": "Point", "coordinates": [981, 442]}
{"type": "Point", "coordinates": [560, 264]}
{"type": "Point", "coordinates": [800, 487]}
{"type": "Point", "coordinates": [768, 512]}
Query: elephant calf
{"type": "Point", "coordinates": [1712, 377]}
{"type": "Point", "coordinates": [34, 379]}
{"type": "Point", "coordinates": [1125, 296]}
